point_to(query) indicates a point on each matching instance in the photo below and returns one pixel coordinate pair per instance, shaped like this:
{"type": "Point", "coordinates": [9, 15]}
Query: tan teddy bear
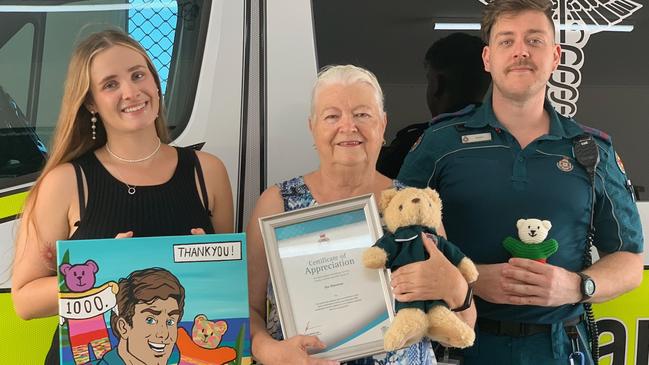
{"type": "Point", "coordinates": [408, 213]}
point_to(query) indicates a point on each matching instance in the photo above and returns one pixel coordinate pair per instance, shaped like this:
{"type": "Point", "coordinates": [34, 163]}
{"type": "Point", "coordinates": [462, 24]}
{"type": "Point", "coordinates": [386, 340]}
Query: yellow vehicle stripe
{"type": "Point", "coordinates": [11, 205]}
{"type": "Point", "coordinates": [23, 342]}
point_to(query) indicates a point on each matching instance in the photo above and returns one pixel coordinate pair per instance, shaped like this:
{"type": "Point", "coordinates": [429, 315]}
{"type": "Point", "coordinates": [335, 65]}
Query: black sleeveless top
{"type": "Point", "coordinates": [169, 209]}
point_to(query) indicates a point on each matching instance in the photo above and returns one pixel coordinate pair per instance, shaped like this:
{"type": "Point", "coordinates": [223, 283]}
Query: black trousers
{"type": "Point", "coordinates": [53, 355]}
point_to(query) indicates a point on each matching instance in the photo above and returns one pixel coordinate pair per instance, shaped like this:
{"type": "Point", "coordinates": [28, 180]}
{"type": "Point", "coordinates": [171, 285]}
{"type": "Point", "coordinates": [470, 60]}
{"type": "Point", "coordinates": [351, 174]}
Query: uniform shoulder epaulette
{"type": "Point", "coordinates": [462, 112]}
{"type": "Point", "coordinates": [596, 133]}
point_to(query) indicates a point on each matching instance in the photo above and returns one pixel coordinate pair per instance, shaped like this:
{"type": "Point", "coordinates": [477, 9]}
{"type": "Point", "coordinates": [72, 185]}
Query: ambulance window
{"type": "Point", "coordinates": [36, 42]}
{"type": "Point", "coordinates": [17, 48]}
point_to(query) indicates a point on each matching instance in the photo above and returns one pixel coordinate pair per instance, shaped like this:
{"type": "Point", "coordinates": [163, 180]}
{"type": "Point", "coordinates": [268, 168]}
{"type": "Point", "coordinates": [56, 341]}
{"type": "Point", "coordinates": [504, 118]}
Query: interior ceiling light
{"type": "Point", "coordinates": [586, 27]}
{"type": "Point", "coordinates": [83, 8]}
{"type": "Point", "coordinates": [457, 26]}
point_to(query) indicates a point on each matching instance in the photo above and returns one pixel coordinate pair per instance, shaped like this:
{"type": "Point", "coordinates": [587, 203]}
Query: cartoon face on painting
{"type": "Point", "coordinates": [150, 304]}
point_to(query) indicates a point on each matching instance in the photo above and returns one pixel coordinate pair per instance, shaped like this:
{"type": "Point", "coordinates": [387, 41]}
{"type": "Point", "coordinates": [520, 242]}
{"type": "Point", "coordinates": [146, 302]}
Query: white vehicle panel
{"type": "Point", "coordinates": [291, 70]}
{"type": "Point", "coordinates": [216, 115]}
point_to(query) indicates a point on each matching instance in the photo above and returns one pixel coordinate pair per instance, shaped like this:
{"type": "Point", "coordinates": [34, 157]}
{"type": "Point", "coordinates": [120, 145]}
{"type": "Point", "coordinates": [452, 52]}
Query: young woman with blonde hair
{"type": "Point", "coordinates": [110, 172]}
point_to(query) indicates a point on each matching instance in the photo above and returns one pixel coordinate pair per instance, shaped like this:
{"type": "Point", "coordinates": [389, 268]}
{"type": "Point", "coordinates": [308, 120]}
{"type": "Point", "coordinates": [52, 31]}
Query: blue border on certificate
{"type": "Point", "coordinates": [319, 224]}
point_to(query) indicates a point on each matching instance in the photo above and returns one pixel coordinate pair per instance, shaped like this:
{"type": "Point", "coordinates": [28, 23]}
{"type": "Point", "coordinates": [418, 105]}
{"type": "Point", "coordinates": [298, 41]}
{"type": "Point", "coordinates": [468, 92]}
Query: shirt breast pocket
{"type": "Point", "coordinates": [466, 173]}
{"type": "Point", "coordinates": [561, 181]}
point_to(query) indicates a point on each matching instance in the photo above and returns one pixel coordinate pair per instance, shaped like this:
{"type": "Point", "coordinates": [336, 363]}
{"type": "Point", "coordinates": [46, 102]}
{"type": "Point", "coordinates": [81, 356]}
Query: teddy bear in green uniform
{"type": "Point", "coordinates": [408, 213]}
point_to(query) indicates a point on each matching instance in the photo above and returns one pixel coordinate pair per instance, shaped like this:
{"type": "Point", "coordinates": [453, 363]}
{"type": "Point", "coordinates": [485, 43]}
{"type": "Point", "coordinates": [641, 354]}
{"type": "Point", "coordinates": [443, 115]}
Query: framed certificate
{"type": "Point", "coordinates": [320, 284]}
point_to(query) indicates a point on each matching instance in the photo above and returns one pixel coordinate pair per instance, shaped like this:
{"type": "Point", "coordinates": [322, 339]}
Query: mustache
{"type": "Point", "coordinates": [522, 63]}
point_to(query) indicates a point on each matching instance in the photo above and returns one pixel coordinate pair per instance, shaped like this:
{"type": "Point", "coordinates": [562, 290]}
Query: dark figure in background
{"type": "Point", "coordinates": [456, 79]}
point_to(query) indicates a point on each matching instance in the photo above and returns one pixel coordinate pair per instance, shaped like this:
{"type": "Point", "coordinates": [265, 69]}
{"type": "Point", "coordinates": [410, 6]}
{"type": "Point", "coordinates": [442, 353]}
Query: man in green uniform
{"type": "Point", "coordinates": [513, 158]}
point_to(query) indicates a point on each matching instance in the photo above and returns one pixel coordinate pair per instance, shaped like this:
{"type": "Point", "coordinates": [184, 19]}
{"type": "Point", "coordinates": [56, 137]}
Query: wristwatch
{"type": "Point", "coordinates": [587, 286]}
{"type": "Point", "coordinates": [467, 300]}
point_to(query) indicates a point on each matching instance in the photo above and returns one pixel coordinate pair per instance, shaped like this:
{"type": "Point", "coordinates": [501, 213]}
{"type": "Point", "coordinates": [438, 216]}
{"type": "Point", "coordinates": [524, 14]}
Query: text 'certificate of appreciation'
{"type": "Point", "coordinates": [321, 286]}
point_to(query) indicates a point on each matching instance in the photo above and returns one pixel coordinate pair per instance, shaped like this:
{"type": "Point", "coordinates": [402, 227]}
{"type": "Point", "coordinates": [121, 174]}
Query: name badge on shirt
{"type": "Point", "coordinates": [479, 137]}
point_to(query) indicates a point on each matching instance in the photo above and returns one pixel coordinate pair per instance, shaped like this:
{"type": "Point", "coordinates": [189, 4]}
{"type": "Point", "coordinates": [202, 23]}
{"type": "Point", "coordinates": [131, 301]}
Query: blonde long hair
{"type": "Point", "coordinates": [72, 136]}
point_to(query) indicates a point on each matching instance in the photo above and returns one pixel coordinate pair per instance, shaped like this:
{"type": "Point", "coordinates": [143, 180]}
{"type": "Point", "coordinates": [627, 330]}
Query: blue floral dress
{"type": "Point", "coordinates": [296, 195]}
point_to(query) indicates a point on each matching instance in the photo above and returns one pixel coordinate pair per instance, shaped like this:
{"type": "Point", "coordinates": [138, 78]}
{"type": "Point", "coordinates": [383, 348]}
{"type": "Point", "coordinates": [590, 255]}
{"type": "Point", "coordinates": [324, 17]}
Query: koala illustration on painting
{"type": "Point", "coordinates": [203, 345]}
{"type": "Point", "coordinates": [208, 333]}
{"type": "Point", "coordinates": [408, 213]}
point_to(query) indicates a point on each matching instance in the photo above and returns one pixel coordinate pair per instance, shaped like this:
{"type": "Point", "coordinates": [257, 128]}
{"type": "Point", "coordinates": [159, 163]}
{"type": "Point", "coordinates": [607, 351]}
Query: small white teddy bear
{"type": "Point", "coordinates": [532, 243]}
{"type": "Point", "coordinates": [533, 230]}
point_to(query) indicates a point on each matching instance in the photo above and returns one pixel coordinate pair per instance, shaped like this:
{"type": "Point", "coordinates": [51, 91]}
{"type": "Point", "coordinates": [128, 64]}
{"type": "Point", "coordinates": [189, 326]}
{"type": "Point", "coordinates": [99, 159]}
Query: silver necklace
{"type": "Point", "coordinates": [131, 188]}
{"type": "Point", "coordinates": [135, 160]}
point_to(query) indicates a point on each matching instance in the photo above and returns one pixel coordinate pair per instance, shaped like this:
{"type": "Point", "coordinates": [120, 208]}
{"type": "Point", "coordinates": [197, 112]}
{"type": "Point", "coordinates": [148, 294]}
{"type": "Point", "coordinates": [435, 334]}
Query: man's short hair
{"type": "Point", "coordinates": [145, 286]}
{"type": "Point", "coordinates": [458, 57]}
{"type": "Point", "coordinates": [496, 8]}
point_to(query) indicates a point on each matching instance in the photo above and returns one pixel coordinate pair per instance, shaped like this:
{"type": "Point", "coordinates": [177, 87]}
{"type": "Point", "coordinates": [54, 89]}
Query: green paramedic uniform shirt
{"type": "Point", "coordinates": [487, 182]}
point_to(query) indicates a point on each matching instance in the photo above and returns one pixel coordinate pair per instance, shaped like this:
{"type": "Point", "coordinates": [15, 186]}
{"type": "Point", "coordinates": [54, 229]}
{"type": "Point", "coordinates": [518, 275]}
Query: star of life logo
{"type": "Point", "coordinates": [576, 21]}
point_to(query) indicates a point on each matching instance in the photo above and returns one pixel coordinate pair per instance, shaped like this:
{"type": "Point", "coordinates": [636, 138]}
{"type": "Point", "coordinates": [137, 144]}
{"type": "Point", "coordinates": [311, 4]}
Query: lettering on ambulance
{"type": "Point", "coordinates": [642, 337]}
{"type": "Point", "coordinates": [616, 349]}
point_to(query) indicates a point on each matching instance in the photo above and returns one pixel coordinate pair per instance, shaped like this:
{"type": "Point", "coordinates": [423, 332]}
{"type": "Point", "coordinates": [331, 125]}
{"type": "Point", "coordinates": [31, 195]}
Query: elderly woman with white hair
{"type": "Point", "coordinates": [347, 123]}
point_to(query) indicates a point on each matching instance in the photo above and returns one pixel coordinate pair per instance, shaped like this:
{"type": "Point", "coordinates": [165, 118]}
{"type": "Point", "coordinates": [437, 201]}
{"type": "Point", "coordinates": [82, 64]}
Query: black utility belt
{"type": "Point", "coordinates": [519, 329]}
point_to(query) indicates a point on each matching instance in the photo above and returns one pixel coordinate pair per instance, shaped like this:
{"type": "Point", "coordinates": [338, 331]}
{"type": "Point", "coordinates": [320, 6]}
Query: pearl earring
{"type": "Point", "coordinates": [93, 121]}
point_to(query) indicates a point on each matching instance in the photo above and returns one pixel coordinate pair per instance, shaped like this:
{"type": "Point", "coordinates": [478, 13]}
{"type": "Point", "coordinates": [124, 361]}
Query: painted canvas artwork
{"type": "Point", "coordinates": [157, 300]}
